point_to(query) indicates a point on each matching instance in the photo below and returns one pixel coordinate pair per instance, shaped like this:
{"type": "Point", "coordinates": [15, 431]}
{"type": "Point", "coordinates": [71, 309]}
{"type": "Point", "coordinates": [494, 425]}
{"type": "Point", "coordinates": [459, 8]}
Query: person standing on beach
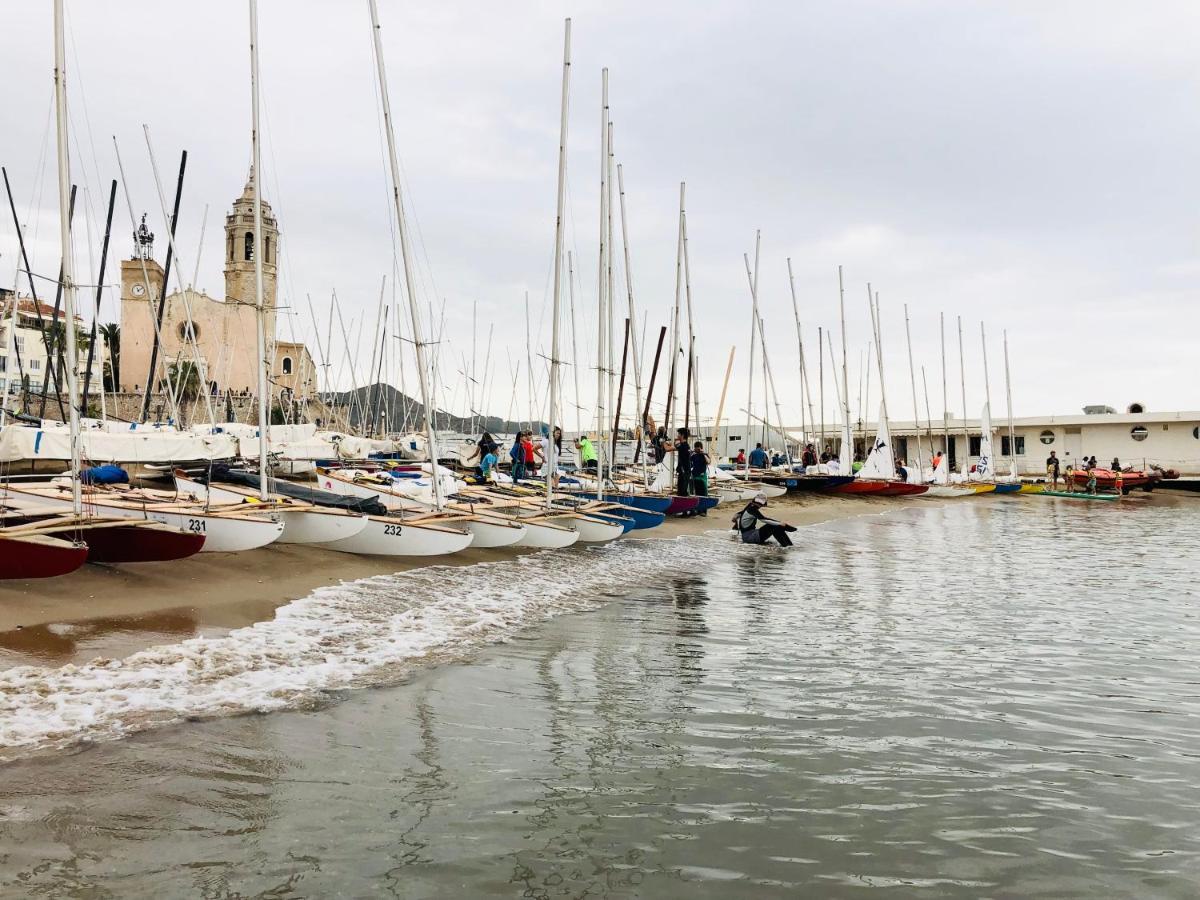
{"type": "Point", "coordinates": [1052, 466]}
{"type": "Point", "coordinates": [587, 453]}
{"type": "Point", "coordinates": [683, 464]}
{"type": "Point", "coordinates": [532, 455]}
{"type": "Point", "coordinates": [516, 455]}
{"type": "Point", "coordinates": [700, 462]}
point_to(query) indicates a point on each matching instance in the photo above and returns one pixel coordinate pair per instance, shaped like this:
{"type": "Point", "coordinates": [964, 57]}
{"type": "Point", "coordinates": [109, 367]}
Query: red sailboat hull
{"type": "Point", "coordinates": [39, 557]}
{"type": "Point", "coordinates": [902, 489]}
{"type": "Point", "coordinates": [682, 505]}
{"type": "Point", "coordinates": [139, 543]}
{"type": "Point", "coordinates": [859, 487]}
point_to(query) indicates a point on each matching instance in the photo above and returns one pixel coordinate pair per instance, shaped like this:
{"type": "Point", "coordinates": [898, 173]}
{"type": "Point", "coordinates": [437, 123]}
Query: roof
{"type": "Point", "coordinates": [1000, 422]}
{"type": "Point", "coordinates": [26, 306]}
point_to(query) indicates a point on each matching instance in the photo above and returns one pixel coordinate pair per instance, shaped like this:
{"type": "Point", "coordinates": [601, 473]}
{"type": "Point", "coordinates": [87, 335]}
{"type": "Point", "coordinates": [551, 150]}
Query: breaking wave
{"type": "Point", "coordinates": [354, 634]}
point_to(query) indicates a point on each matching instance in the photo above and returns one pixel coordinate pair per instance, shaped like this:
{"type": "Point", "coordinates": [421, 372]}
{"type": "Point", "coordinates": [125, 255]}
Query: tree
{"type": "Point", "coordinates": [112, 340]}
{"type": "Point", "coordinates": [184, 377]}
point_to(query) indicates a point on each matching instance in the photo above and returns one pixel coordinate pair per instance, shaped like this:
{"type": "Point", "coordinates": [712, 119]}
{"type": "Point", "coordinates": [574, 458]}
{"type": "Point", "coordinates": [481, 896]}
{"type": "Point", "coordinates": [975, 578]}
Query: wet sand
{"type": "Point", "coordinates": [117, 610]}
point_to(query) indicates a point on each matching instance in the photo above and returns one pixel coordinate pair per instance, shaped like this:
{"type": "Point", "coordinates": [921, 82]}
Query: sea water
{"type": "Point", "coordinates": [972, 699]}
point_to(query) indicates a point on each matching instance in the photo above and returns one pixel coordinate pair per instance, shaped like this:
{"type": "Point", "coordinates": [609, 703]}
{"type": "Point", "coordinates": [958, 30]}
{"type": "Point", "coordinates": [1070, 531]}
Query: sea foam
{"type": "Point", "coordinates": [347, 635]}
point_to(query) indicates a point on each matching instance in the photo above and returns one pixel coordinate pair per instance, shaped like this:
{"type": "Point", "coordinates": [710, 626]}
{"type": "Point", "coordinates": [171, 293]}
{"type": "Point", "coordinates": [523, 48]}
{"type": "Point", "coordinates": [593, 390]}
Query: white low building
{"type": "Point", "coordinates": [1136, 437]}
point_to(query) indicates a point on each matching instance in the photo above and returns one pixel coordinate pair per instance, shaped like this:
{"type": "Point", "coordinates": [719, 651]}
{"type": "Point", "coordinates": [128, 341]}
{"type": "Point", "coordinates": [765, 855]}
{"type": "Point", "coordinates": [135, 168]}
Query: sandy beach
{"type": "Point", "coordinates": [117, 610]}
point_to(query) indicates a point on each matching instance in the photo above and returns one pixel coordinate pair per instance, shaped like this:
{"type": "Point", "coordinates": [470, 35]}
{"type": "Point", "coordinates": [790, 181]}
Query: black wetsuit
{"type": "Point", "coordinates": [756, 528]}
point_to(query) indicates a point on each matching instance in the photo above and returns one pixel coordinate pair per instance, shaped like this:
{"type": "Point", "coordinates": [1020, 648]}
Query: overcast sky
{"type": "Point", "coordinates": [1029, 164]}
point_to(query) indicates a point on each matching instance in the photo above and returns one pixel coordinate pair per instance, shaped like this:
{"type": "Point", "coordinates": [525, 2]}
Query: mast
{"type": "Point", "coordinates": [68, 267]}
{"type": "Point", "coordinates": [1012, 439]}
{"type": "Point", "coordinates": [667, 417]}
{"type": "Point", "coordinates": [945, 396]}
{"type": "Point", "coordinates": [753, 335]}
{"type": "Point", "coordinates": [800, 347]}
{"type": "Point", "coordinates": [574, 347]}
{"type": "Point", "coordinates": [608, 301]}
{"type": "Point", "coordinates": [821, 383]}
{"type": "Point", "coordinates": [634, 346]}
{"type": "Point", "coordinates": [551, 449]}
{"type": "Point", "coordinates": [964, 466]}
{"type": "Point", "coordinates": [693, 366]}
{"type": "Point", "coordinates": [264, 399]}
{"type": "Point", "coordinates": [721, 402]}
{"type": "Point", "coordinates": [601, 293]}
{"type": "Point", "coordinates": [846, 455]}
{"type": "Point", "coordinates": [912, 376]}
{"type": "Point", "coordinates": [987, 390]}
{"type": "Point", "coordinates": [405, 254]}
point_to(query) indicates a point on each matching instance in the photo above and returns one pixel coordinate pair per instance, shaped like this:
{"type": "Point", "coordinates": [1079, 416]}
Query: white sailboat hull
{"type": "Point", "coordinates": [306, 525]}
{"type": "Point", "coordinates": [596, 531]}
{"type": "Point", "coordinates": [547, 536]}
{"type": "Point", "coordinates": [493, 533]}
{"type": "Point", "coordinates": [318, 526]}
{"type": "Point", "coordinates": [392, 537]}
{"type": "Point", "coordinates": [945, 491]}
{"type": "Point", "coordinates": [222, 533]}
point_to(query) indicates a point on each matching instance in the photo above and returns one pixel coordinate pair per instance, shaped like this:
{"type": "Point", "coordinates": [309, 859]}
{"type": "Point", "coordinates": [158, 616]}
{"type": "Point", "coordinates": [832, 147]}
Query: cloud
{"type": "Point", "coordinates": [1027, 165]}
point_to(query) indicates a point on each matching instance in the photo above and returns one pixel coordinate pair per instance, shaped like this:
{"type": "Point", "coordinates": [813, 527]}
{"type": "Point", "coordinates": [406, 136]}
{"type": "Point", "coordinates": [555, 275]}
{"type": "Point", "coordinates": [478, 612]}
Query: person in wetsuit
{"type": "Point", "coordinates": [756, 528]}
{"type": "Point", "coordinates": [683, 464]}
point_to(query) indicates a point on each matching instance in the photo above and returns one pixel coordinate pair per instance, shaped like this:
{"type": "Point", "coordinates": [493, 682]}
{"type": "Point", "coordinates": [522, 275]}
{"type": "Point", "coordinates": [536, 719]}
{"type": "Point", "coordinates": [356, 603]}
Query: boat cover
{"type": "Point", "coordinates": [366, 505]}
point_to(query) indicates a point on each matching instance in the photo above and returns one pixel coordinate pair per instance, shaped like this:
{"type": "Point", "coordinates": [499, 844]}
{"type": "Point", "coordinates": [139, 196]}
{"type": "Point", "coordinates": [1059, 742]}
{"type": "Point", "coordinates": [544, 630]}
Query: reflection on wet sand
{"type": "Point", "coordinates": [62, 643]}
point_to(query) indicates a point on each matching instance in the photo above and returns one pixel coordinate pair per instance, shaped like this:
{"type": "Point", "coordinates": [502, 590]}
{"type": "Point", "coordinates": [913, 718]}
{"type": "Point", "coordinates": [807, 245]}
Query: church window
{"type": "Point", "coordinates": [287, 365]}
{"type": "Point", "coordinates": [266, 248]}
{"type": "Point", "coordinates": [231, 248]}
{"type": "Point", "coordinates": [249, 246]}
{"type": "Point", "coordinates": [188, 334]}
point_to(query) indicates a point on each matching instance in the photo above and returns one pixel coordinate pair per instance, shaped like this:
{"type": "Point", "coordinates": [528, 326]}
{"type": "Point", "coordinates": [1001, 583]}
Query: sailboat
{"type": "Point", "coordinates": [878, 473]}
{"type": "Point", "coordinates": [985, 467]}
{"type": "Point", "coordinates": [37, 546]}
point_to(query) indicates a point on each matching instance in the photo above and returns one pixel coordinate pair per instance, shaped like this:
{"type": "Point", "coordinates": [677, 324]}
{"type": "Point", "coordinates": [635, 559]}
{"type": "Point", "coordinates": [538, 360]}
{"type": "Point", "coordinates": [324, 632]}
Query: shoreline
{"type": "Point", "coordinates": [117, 610]}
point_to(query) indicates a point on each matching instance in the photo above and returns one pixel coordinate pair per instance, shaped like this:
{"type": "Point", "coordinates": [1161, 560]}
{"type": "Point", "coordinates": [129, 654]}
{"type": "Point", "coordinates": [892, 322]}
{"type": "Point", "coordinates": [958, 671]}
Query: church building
{"type": "Point", "coordinates": [222, 330]}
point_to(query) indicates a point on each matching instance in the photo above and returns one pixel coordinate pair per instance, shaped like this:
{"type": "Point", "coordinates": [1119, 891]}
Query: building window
{"type": "Point", "coordinates": [1196, 432]}
{"type": "Point", "coordinates": [287, 365]}
{"type": "Point", "coordinates": [1020, 440]}
{"type": "Point", "coordinates": [266, 248]}
{"type": "Point", "coordinates": [1139, 432]}
{"type": "Point", "coordinates": [231, 248]}
{"type": "Point", "coordinates": [187, 333]}
{"type": "Point", "coordinates": [249, 246]}
{"type": "Point", "coordinates": [1135, 408]}
{"type": "Point", "coordinates": [3, 363]}
{"type": "Point", "coordinates": [1046, 437]}
{"type": "Point", "coordinates": [973, 445]}
{"type": "Point", "coordinates": [35, 364]}
{"type": "Point", "coordinates": [20, 342]}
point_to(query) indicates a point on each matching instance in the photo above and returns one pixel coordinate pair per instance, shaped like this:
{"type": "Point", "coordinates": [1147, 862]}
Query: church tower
{"type": "Point", "coordinates": [239, 254]}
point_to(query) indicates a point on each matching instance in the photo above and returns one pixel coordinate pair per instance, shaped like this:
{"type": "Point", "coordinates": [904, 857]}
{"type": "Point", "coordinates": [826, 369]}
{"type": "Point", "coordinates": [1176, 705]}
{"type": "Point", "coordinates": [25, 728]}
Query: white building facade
{"type": "Point", "coordinates": [1141, 439]}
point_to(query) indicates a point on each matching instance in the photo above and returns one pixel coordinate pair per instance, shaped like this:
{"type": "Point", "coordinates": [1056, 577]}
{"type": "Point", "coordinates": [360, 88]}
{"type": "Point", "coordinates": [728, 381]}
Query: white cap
{"type": "Point", "coordinates": [760, 499]}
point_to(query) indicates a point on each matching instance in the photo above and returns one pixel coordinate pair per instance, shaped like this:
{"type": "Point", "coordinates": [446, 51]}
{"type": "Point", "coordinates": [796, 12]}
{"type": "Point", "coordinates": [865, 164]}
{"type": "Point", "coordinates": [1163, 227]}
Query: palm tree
{"type": "Point", "coordinates": [112, 340]}
{"type": "Point", "coordinates": [185, 378]}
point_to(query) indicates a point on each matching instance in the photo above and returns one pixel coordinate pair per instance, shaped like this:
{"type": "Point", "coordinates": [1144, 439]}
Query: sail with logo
{"type": "Point", "coordinates": [881, 461]}
{"type": "Point", "coordinates": [985, 468]}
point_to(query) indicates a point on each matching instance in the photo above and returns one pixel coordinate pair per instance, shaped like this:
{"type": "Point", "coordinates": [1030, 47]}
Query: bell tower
{"type": "Point", "coordinates": [239, 254]}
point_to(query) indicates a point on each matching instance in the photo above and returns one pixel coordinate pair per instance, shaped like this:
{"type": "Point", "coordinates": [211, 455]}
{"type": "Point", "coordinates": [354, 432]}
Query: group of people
{"type": "Point", "coordinates": [691, 461]}
{"type": "Point", "coordinates": [1054, 467]}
